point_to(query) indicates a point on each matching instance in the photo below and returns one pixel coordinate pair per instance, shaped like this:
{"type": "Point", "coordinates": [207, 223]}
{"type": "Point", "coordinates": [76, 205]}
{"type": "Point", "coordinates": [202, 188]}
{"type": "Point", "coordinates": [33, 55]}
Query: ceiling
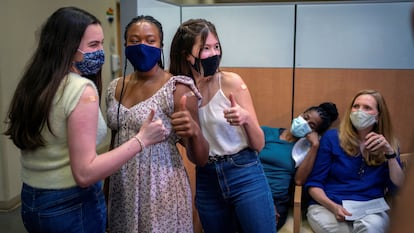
{"type": "Point", "coordinates": [211, 2]}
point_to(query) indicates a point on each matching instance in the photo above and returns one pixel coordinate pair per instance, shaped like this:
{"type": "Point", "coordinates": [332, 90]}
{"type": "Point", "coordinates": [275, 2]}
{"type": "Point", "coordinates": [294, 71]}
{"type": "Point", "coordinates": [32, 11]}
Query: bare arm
{"type": "Point", "coordinates": [305, 168]}
{"type": "Point", "coordinates": [186, 125]}
{"type": "Point", "coordinates": [242, 111]}
{"type": "Point", "coordinates": [87, 167]}
{"type": "Point", "coordinates": [377, 142]}
{"type": "Point", "coordinates": [396, 173]}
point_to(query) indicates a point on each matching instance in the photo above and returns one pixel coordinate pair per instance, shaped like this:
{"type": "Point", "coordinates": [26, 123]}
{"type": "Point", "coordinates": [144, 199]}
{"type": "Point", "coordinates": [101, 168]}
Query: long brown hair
{"type": "Point", "coordinates": [29, 110]}
{"type": "Point", "coordinates": [183, 42]}
{"type": "Point", "coordinates": [348, 135]}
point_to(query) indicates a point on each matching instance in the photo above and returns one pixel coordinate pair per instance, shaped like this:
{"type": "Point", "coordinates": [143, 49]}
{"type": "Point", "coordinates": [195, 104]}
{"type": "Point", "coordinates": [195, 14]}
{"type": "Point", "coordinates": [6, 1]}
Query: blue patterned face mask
{"type": "Point", "coordinates": [92, 62]}
{"type": "Point", "coordinates": [300, 127]}
{"type": "Point", "coordinates": [143, 57]}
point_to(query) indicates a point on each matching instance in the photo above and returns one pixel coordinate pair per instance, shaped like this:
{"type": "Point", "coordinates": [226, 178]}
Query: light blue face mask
{"type": "Point", "coordinates": [92, 62]}
{"type": "Point", "coordinates": [300, 127]}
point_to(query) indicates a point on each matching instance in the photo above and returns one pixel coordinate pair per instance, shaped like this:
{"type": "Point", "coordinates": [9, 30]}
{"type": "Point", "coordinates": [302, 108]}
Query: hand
{"type": "Point", "coordinates": [152, 131]}
{"type": "Point", "coordinates": [340, 213]}
{"type": "Point", "coordinates": [377, 142]}
{"type": "Point", "coordinates": [182, 122]}
{"type": "Point", "coordinates": [235, 115]}
{"type": "Point", "coordinates": [313, 138]}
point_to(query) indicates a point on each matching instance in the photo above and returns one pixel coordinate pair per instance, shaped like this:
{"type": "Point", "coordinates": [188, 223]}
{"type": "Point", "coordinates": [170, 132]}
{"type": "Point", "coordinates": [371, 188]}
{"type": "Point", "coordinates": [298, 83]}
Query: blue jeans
{"type": "Point", "coordinates": [80, 210]}
{"type": "Point", "coordinates": [233, 196]}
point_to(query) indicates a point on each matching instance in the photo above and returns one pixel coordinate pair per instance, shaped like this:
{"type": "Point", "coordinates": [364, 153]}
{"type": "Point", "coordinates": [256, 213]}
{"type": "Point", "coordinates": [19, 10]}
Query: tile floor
{"type": "Point", "coordinates": [11, 222]}
{"type": "Point", "coordinates": [288, 227]}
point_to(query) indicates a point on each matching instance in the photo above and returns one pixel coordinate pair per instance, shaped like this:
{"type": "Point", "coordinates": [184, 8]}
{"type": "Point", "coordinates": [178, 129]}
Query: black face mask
{"type": "Point", "coordinates": [210, 65]}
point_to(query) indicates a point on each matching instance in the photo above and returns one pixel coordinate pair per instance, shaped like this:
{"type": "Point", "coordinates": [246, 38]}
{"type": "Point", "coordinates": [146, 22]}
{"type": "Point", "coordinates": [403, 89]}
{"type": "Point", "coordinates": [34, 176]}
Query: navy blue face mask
{"type": "Point", "coordinates": [210, 65]}
{"type": "Point", "coordinates": [143, 57]}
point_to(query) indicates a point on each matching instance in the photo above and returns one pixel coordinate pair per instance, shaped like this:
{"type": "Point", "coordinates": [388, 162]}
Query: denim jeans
{"type": "Point", "coordinates": [80, 210]}
{"type": "Point", "coordinates": [233, 196]}
{"type": "Point", "coordinates": [282, 208]}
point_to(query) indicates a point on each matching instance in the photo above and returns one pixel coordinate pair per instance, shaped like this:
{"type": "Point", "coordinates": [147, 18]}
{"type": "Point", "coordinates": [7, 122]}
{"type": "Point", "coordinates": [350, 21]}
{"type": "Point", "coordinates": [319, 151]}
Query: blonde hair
{"type": "Point", "coordinates": [348, 135]}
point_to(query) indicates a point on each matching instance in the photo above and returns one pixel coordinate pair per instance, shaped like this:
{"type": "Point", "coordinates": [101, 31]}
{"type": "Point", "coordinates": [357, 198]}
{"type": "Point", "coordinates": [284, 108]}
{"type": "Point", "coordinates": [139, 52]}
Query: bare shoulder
{"type": "Point", "coordinates": [232, 81]}
{"type": "Point", "coordinates": [230, 76]}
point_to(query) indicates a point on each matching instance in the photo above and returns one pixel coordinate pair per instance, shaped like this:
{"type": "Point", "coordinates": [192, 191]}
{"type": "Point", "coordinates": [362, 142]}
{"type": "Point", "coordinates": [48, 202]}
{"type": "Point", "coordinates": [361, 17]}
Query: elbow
{"type": "Point", "coordinates": [261, 146]}
{"type": "Point", "coordinates": [299, 182]}
{"type": "Point", "coordinates": [200, 161]}
{"type": "Point", "coordinates": [258, 147]}
{"type": "Point", "coordinates": [82, 181]}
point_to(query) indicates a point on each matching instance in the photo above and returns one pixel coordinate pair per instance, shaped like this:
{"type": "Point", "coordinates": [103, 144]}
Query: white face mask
{"type": "Point", "coordinates": [362, 120]}
{"type": "Point", "coordinates": [300, 127]}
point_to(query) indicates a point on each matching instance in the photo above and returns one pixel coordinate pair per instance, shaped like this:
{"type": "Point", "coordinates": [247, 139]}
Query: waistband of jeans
{"type": "Point", "coordinates": [224, 158]}
{"type": "Point", "coordinates": [29, 188]}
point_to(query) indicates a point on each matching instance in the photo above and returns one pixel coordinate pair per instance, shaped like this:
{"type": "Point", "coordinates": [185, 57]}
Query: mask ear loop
{"type": "Point", "coordinates": [162, 59]}
{"type": "Point", "coordinates": [120, 98]}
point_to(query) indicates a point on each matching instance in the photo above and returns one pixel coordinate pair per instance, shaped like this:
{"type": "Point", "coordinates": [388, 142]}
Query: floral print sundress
{"type": "Point", "coordinates": [151, 192]}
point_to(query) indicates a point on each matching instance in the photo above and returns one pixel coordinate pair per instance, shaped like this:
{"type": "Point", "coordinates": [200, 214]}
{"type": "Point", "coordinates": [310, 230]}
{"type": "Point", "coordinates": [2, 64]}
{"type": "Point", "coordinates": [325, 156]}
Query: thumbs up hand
{"type": "Point", "coordinates": [152, 131]}
{"type": "Point", "coordinates": [235, 115]}
{"type": "Point", "coordinates": [182, 121]}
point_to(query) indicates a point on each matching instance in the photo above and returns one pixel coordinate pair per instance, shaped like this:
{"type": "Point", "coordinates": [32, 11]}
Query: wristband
{"type": "Point", "coordinates": [391, 156]}
{"type": "Point", "coordinates": [140, 142]}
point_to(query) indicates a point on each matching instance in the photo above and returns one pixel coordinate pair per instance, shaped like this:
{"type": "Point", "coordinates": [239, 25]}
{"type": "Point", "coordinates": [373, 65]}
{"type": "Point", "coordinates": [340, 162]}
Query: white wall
{"type": "Point", "coordinates": [376, 36]}
{"type": "Point", "coordinates": [334, 35]}
{"type": "Point", "coordinates": [251, 36]}
{"type": "Point", "coordinates": [20, 20]}
{"type": "Point", "coordinates": [168, 15]}
{"type": "Point", "coordinates": [331, 35]}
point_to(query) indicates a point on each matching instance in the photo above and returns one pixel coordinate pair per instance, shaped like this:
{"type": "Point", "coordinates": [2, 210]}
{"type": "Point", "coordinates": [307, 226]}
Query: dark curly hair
{"type": "Point", "coordinates": [327, 112]}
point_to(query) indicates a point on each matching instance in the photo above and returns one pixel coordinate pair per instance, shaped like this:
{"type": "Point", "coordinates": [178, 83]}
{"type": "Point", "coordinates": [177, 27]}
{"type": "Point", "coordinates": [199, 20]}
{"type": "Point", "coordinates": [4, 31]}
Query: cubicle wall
{"type": "Point", "coordinates": [296, 55]}
{"type": "Point", "coordinates": [293, 55]}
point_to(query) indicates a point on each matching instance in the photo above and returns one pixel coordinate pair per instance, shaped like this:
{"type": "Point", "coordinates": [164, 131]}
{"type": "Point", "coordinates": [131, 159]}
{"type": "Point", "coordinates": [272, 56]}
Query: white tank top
{"type": "Point", "coordinates": [224, 139]}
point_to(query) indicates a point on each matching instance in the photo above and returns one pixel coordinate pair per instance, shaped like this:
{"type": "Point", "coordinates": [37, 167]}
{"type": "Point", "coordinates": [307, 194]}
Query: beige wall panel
{"type": "Point", "coordinates": [313, 86]}
{"type": "Point", "coordinates": [271, 91]}
{"type": "Point", "coordinates": [190, 168]}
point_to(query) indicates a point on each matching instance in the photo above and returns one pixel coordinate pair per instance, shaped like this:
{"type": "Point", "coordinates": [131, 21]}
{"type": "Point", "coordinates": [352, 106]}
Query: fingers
{"type": "Point", "coordinates": [313, 138]}
{"type": "Point", "coordinates": [181, 112]}
{"type": "Point", "coordinates": [376, 142]}
{"type": "Point", "coordinates": [183, 103]}
{"type": "Point", "coordinates": [150, 117]}
{"type": "Point", "coordinates": [181, 116]}
{"type": "Point", "coordinates": [181, 120]}
{"type": "Point", "coordinates": [346, 212]}
{"type": "Point", "coordinates": [342, 213]}
{"type": "Point", "coordinates": [229, 113]}
{"type": "Point", "coordinates": [232, 100]}
{"type": "Point", "coordinates": [312, 135]}
{"type": "Point", "coordinates": [152, 130]}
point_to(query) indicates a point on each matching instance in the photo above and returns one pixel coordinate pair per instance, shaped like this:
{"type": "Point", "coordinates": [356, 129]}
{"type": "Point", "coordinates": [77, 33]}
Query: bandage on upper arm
{"type": "Point", "coordinates": [89, 96]}
{"type": "Point", "coordinates": [92, 98]}
{"type": "Point", "coordinates": [189, 94]}
{"type": "Point", "coordinates": [89, 99]}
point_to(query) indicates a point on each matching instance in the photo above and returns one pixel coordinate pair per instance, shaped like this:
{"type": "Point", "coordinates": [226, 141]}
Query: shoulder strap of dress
{"type": "Point", "coordinates": [219, 80]}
